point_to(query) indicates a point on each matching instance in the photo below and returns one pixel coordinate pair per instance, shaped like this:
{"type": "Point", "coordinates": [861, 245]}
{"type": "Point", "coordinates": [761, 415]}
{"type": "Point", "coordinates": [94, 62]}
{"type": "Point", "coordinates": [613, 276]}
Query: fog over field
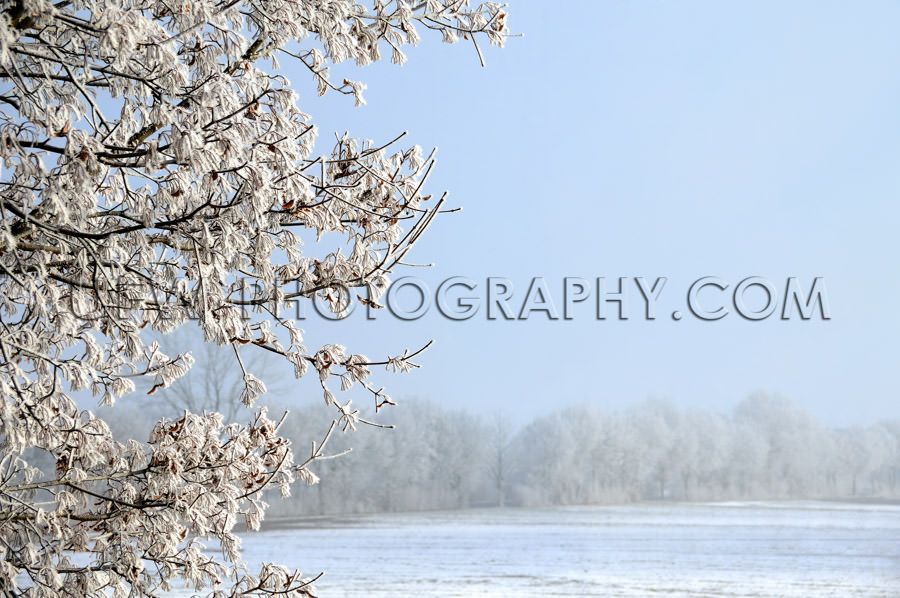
{"type": "Point", "coordinates": [443, 458]}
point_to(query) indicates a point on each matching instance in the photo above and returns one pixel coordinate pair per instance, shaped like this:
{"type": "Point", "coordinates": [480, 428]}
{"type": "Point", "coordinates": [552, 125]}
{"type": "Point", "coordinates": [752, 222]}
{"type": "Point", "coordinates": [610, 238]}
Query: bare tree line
{"type": "Point", "coordinates": [440, 458]}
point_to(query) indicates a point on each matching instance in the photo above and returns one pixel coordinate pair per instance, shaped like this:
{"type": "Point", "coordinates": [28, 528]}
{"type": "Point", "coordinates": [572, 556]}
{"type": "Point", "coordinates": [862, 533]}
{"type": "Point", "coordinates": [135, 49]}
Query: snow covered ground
{"type": "Point", "coordinates": [791, 549]}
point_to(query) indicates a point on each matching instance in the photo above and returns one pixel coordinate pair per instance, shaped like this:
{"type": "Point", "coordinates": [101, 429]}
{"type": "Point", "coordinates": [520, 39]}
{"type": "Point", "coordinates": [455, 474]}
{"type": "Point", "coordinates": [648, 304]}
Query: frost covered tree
{"type": "Point", "coordinates": [155, 172]}
{"type": "Point", "coordinates": [213, 381]}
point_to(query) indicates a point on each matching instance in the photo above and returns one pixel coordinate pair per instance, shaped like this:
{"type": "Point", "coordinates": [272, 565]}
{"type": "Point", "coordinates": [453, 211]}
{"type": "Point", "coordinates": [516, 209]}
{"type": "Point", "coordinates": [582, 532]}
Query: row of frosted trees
{"type": "Point", "coordinates": [439, 458]}
{"type": "Point", "coordinates": [767, 449]}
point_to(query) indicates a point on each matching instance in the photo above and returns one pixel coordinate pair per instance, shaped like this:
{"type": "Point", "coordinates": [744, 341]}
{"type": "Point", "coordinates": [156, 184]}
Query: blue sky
{"type": "Point", "coordinates": [678, 139]}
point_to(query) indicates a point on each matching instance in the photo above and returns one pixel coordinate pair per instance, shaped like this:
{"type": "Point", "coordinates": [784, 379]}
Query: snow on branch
{"type": "Point", "coordinates": [152, 172]}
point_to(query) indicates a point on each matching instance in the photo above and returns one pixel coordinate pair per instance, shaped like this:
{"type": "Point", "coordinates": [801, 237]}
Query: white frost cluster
{"type": "Point", "coordinates": [153, 172]}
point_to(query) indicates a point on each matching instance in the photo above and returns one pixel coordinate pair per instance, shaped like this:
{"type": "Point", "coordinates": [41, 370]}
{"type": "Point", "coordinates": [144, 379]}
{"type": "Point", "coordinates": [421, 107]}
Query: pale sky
{"type": "Point", "coordinates": [680, 139]}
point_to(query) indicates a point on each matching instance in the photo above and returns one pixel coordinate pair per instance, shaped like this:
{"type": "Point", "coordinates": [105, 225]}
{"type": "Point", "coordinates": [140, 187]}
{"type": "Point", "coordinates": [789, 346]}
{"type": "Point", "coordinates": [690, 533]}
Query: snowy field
{"type": "Point", "coordinates": [796, 549]}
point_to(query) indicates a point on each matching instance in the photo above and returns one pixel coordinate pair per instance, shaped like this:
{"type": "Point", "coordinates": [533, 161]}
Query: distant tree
{"type": "Point", "coordinates": [499, 466]}
{"type": "Point", "coordinates": [792, 438]}
{"type": "Point", "coordinates": [657, 422]}
{"type": "Point", "coordinates": [153, 173]}
{"type": "Point", "coordinates": [214, 380]}
{"type": "Point", "coordinates": [892, 464]}
{"type": "Point", "coordinates": [747, 459]}
{"type": "Point", "coordinates": [715, 440]}
{"type": "Point", "coordinates": [882, 448]}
